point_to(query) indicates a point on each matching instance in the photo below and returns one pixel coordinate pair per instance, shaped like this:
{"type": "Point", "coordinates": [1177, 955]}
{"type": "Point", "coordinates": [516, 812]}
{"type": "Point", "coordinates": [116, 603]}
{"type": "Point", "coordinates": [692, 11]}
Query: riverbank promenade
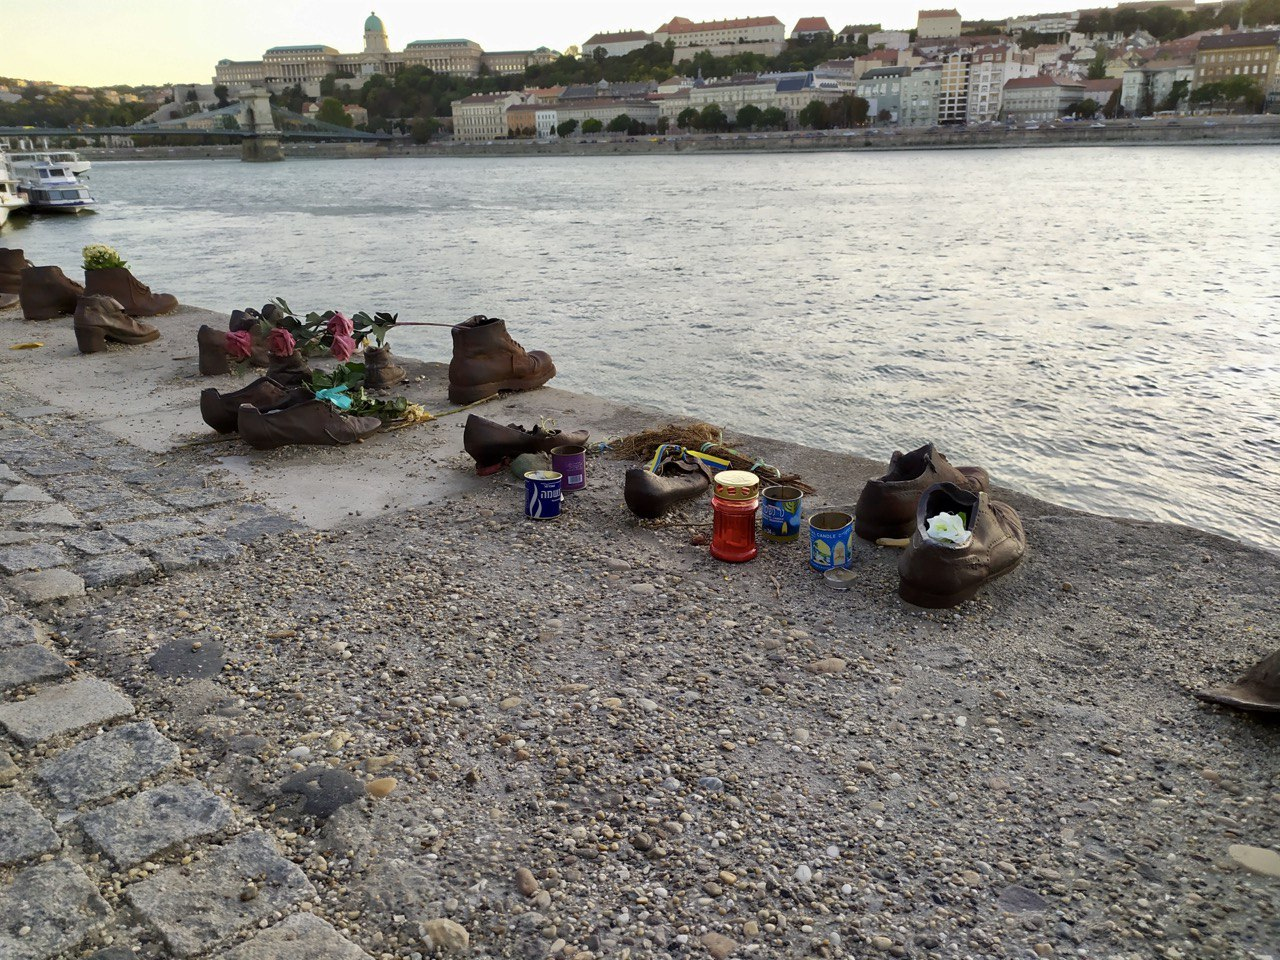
{"type": "Point", "coordinates": [349, 702]}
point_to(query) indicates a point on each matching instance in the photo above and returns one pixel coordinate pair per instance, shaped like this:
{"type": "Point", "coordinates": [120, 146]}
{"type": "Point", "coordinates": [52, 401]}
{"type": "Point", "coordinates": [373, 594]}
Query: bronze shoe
{"type": "Point", "coordinates": [252, 321]}
{"type": "Point", "coordinates": [674, 479]}
{"type": "Point", "coordinates": [486, 360]}
{"type": "Point", "coordinates": [221, 410]}
{"type": "Point", "coordinates": [313, 422]}
{"type": "Point", "coordinates": [936, 574]}
{"type": "Point", "coordinates": [887, 506]}
{"type": "Point", "coordinates": [1258, 689]}
{"type": "Point", "coordinates": [99, 319]}
{"type": "Point", "coordinates": [291, 371]}
{"type": "Point", "coordinates": [47, 292]}
{"type": "Point", "coordinates": [380, 372]}
{"type": "Point", "coordinates": [12, 263]}
{"type": "Point", "coordinates": [136, 297]}
{"type": "Point", "coordinates": [8, 300]}
{"type": "Point", "coordinates": [492, 445]}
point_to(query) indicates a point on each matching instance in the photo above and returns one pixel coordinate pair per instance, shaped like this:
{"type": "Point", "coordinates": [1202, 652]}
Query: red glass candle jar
{"type": "Point", "coordinates": [733, 536]}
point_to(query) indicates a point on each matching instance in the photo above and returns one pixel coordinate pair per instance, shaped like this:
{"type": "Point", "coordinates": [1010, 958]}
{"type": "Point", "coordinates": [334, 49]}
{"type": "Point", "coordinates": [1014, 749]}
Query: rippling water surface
{"type": "Point", "coordinates": [1099, 327]}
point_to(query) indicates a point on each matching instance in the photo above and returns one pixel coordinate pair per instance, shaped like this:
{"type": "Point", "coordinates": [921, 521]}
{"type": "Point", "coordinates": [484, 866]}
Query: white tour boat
{"type": "Point", "coordinates": [9, 198]}
{"type": "Point", "coordinates": [63, 158]}
{"type": "Point", "coordinates": [49, 186]}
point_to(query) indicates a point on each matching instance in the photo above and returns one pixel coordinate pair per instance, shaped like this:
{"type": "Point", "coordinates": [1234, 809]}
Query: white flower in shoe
{"type": "Point", "coordinates": [948, 528]}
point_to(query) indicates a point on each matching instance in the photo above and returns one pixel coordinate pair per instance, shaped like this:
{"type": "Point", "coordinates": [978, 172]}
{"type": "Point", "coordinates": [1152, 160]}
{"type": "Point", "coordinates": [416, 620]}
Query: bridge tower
{"type": "Point", "coordinates": [262, 142]}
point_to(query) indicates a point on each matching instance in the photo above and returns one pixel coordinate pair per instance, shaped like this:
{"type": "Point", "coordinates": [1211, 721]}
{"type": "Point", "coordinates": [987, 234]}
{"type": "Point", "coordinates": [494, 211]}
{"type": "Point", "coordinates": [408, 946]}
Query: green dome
{"type": "Point", "coordinates": [374, 24]}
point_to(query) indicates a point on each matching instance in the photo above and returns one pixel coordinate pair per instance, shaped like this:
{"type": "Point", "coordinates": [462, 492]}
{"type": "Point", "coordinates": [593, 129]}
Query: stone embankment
{"type": "Point", "coordinates": [1189, 131]}
{"type": "Point", "coordinates": [342, 703]}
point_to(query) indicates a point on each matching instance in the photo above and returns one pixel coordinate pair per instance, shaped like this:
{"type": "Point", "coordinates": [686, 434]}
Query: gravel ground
{"type": "Point", "coordinates": [695, 759]}
{"type": "Point", "coordinates": [587, 739]}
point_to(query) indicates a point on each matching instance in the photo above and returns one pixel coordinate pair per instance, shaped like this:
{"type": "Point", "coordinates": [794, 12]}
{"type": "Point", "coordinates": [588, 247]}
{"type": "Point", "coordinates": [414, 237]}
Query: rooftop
{"type": "Point", "coordinates": [1233, 41]}
{"type": "Point", "coordinates": [934, 14]}
{"type": "Point", "coordinates": [304, 48]}
{"type": "Point", "coordinates": [681, 25]}
{"type": "Point", "coordinates": [620, 37]}
{"type": "Point", "coordinates": [812, 25]}
{"type": "Point", "coordinates": [440, 43]}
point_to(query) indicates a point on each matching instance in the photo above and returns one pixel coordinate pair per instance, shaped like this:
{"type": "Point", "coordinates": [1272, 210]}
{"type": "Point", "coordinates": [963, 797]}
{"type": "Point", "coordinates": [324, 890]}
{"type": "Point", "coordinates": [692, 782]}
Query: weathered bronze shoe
{"type": "Point", "coordinates": [493, 446]}
{"type": "Point", "coordinates": [291, 371]}
{"type": "Point", "coordinates": [380, 371]}
{"type": "Point", "coordinates": [938, 573]}
{"type": "Point", "coordinates": [47, 292]}
{"type": "Point", "coordinates": [486, 360]}
{"type": "Point", "coordinates": [252, 321]}
{"type": "Point", "coordinates": [136, 297]}
{"type": "Point", "coordinates": [313, 422]}
{"type": "Point", "coordinates": [12, 263]}
{"type": "Point", "coordinates": [214, 359]}
{"type": "Point", "coordinates": [1258, 689]}
{"type": "Point", "coordinates": [674, 479]}
{"type": "Point", "coordinates": [887, 506]}
{"type": "Point", "coordinates": [99, 319]}
{"type": "Point", "coordinates": [8, 300]}
{"type": "Point", "coordinates": [221, 410]}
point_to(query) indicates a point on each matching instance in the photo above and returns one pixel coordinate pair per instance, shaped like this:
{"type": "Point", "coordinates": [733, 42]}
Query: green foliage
{"type": "Point", "coordinates": [592, 125]}
{"type": "Point", "coordinates": [98, 256]}
{"type": "Point", "coordinates": [193, 96]}
{"type": "Point", "coordinates": [1165, 23]}
{"type": "Point", "coordinates": [849, 111]}
{"type": "Point", "coordinates": [228, 122]}
{"type": "Point", "coordinates": [619, 124]}
{"type": "Point", "coordinates": [221, 93]}
{"type": "Point", "coordinates": [688, 119]}
{"type": "Point", "coordinates": [1098, 67]}
{"type": "Point", "coordinates": [664, 124]}
{"type": "Point", "coordinates": [328, 85]}
{"type": "Point", "coordinates": [566, 128]}
{"type": "Point", "coordinates": [816, 116]}
{"type": "Point", "coordinates": [331, 112]}
{"type": "Point", "coordinates": [424, 128]}
{"type": "Point", "coordinates": [1086, 109]}
{"type": "Point", "coordinates": [1177, 93]}
{"type": "Point", "coordinates": [773, 118]}
{"type": "Point", "coordinates": [749, 117]}
{"type": "Point", "coordinates": [884, 116]}
{"type": "Point", "coordinates": [712, 119]}
{"type": "Point", "coordinates": [1231, 90]}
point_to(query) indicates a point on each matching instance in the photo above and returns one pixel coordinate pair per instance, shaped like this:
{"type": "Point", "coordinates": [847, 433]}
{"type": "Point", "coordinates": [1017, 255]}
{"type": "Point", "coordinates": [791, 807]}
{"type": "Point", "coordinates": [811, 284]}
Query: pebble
{"type": "Point", "coordinates": [803, 873]}
{"type": "Point", "coordinates": [380, 787]}
{"type": "Point", "coordinates": [526, 882]}
{"type": "Point", "coordinates": [447, 936]}
{"type": "Point", "coordinates": [1256, 859]}
{"type": "Point", "coordinates": [827, 665]}
{"type": "Point", "coordinates": [718, 945]}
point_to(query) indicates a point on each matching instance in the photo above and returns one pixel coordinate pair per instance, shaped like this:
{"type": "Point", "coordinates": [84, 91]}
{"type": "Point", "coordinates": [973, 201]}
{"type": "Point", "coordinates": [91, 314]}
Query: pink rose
{"type": "Point", "coordinates": [280, 342]}
{"type": "Point", "coordinates": [343, 347]}
{"type": "Point", "coordinates": [240, 344]}
{"type": "Point", "coordinates": [341, 326]}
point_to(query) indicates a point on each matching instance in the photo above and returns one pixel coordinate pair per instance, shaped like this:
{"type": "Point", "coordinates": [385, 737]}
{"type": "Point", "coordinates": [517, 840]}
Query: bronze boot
{"type": "Point", "coordinates": [8, 300]}
{"type": "Point", "coordinates": [47, 292]}
{"type": "Point", "coordinates": [379, 370]}
{"type": "Point", "coordinates": [99, 319]}
{"type": "Point", "coordinates": [252, 321]}
{"type": "Point", "coordinates": [674, 479]}
{"type": "Point", "coordinates": [491, 445]}
{"type": "Point", "coordinates": [221, 410]}
{"type": "Point", "coordinates": [136, 298]}
{"type": "Point", "coordinates": [291, 371]}
{"type": "Point", "coordinates": [12, 263]}
{"type": "Point", "coordinates": [314, 422]}
{"type": "Point", "coordinates": [214, 359]}
{"type": "Point", "coordinates": [486, 360]}
{"type": "Point", "coordinates": [887, 505]}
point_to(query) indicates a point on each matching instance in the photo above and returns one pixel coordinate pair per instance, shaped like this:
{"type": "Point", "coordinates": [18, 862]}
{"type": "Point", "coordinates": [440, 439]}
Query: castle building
{"type": "Point", "coordinates": [307, 65]}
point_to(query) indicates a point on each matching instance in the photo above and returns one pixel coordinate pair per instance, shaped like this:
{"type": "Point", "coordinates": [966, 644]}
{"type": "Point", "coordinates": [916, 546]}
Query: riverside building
{"type": "Point", "coordinates": [307, 65]}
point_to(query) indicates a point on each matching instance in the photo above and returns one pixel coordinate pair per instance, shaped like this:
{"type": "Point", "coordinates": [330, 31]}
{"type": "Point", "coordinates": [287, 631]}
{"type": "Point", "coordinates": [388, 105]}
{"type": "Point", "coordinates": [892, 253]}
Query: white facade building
{"type": "Point", "coordinates": [617, 44]}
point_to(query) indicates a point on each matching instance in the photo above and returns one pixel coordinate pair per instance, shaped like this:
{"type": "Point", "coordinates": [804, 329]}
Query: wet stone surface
{"type": "Point", "coordinates": [324, 790]}
{"type": "Point", "coordinates": [187, 660]}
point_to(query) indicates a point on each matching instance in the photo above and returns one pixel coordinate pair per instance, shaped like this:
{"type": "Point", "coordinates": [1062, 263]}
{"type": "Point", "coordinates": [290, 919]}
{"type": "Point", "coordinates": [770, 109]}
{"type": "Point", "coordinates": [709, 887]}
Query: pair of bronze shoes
{"type": "Point", "coordinates": [268, 415]}
{"type": "Point", "coordinates": [492, 446]}
{"type": "Point", "coordinates": [940, 569]}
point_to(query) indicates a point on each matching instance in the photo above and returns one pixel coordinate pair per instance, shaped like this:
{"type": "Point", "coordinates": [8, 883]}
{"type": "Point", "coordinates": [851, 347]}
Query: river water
{"type": "Point", "coordinates": [1097, 326]}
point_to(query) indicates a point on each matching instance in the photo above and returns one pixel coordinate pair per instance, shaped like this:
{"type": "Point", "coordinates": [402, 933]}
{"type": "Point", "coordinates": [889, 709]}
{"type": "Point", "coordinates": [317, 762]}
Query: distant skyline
{"type": "Point", "coordinates": [179, 41]}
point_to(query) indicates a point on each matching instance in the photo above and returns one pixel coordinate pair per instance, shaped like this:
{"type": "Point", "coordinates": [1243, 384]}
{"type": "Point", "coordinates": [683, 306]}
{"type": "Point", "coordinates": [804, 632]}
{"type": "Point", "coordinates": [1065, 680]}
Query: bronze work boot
{"type": "Point", "coordinates": [291, 371]}
{"type": "Point", "coordinates": [12, 263]}
{"type": "Point", "coordinates": [99, 319]}
{"type": "Point", "coordinates": [47, 292]}
{"type": "Point", "coordinates": [252, 321]}
{"type": "Point", "coordinates": [887, 506]}
{"type": "Point", "coordinates": [946, 563]}
{"type": "Point", "coordinates": [379, 370]}
{"type": "Point", "coordinates": [650, 494]}
{"type": "Point", "coordinates": [221, 410]}
{"type": "Point", "coordinates": [486, 360]}
{"type": "Point", "coordinates": [136, 298]}
{"type": "Point", "coordinates": [313, 422]}
{"type": "Point", "coordinates": [492, 446]}
{"type": "Point", "coordinates": [214, 359]}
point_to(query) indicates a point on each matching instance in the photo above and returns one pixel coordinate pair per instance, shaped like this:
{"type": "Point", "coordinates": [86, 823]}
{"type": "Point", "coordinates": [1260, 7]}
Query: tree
{"type": "Point", "coordinates": [884, 116]}
{"type": "Point", "coordinates": [664, 124]}
{"type": "Point", "coordinates": [1177, 93]}
{"type": "Point", "coordinates": [331, 112]}
{"type": "Point", "coordinates": [424, 128]}
{"type": "Point", "coordinates": [774, 118]}
{"type": "Point", "coordinates": [619, 124]}
{"type": "Point", "coordinates": [221, 93]}
{"type": "Point", "coordinates": [228, 122]}
{"type": "Point", "coordinates": [849, 111]}
{"type": "Point", "coordinates": [592, 125]}
{"type": "Point", "coordinates": [566, 128]}
{"type": "Point", "coordinates": [328, 85]}
{"type": "Point", "coordinates": [688, 119]}
{"type": "Point", "coordinates": [749, 117]}
{"type": "Point", "coordinates": [713, 118]}
{"type": "Point", "coordinates": [193, 96]}
{"type": "Point", "coordinates": [1098, 68]}
{"type": "Point", "coordinates": [816, 116]}
{"type": "Point", "coordinates": [1086, 109]}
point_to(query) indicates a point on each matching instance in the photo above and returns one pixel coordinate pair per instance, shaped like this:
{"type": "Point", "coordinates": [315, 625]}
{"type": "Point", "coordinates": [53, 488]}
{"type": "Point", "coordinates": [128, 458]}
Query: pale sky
{"type": "Point", "coordinates": [102, 42]}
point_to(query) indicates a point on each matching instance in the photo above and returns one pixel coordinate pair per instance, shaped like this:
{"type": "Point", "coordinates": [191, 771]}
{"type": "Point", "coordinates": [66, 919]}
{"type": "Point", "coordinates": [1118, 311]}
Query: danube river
{"type": "Point", "coordinates": [1097, 326]}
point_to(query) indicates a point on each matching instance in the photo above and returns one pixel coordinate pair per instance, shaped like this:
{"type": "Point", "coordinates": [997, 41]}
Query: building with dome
{"type": "Point", "coordinates": [308, 64]}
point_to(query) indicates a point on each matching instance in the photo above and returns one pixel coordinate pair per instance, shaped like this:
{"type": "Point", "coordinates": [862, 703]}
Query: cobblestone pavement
{"type": "Point", "coordinates": [110, 847]}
